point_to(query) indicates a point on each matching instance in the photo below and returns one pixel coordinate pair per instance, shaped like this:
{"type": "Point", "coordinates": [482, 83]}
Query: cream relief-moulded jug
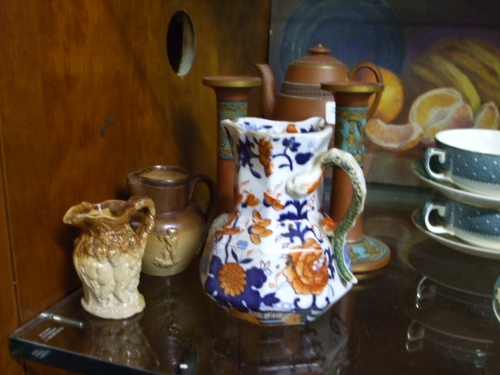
{"type": "Point", "coordinates": [274, 258]}
{"type": "Point", "coordinates": [108, 253]}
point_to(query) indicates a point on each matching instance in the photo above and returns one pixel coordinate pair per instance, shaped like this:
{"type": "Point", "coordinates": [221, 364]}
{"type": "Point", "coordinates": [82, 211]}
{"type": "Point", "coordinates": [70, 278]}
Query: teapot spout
{"type": "Point", "coordinates": [268, 90]}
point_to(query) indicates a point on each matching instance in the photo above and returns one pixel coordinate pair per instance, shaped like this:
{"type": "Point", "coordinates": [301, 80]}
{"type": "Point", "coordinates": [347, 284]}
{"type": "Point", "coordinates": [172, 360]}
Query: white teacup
{"type": "Point", "coordinates": [476, 225]}
{"type": "Point", "coordinates": [469, 158]}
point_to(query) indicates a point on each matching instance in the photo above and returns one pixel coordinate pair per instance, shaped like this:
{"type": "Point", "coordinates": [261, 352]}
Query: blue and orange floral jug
{"type": "Point", "coordinates": [275, 258]}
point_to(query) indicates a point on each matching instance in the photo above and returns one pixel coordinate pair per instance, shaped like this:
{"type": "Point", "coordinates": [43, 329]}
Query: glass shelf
{"type": "Point", "coordinates": [428, 312]}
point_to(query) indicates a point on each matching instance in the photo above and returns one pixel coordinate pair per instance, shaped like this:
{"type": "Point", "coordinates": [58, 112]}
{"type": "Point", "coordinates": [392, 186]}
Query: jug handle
{"type": "Point", "coordinates": [212, 192]}
{"type": "Point", "coordinates": [148, 221]}
{"type": "Point", "coordinates": [306, 182]}
{"type": "Point", "coordinates": [378, 75]}
{"type": "Point", "coordinates": [345, 161]}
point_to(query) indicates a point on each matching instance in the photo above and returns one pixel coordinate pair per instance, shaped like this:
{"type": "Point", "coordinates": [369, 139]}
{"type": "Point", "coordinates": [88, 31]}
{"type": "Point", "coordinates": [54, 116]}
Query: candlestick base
{"type": "Point", "coordinates": [368, 254]}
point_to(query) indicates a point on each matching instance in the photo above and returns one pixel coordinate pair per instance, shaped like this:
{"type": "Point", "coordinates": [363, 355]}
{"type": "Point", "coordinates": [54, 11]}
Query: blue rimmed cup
{"type": "Point", "coordinates": [468, 158]}
{"type": "Point", "coordinates": [478, 226]}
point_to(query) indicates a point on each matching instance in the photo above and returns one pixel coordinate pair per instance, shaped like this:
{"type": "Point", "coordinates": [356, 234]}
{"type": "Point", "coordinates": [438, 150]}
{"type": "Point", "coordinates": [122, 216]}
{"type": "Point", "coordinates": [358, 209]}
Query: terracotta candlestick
{"type": "Point", "coordinates": [352, 112]}
{"type": "Point", "coordinates": [232, 94]}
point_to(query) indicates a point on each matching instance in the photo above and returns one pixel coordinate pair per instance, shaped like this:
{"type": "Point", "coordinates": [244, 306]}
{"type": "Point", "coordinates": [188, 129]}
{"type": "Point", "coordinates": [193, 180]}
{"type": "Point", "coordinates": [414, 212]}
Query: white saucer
{"type": "Point", "coordinates": [452, 192]}
{"type": "Point", "coordinates": [452, 242]}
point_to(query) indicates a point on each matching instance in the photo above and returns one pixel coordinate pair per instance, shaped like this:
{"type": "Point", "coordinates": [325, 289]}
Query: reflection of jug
{"type": "Point", "coordinates": [270, 259]}
{"type": "Point", "coordinates": [180, 225]}
{"type": "Point", "coordinates": [120, 341]}
{"type": "Point", "coordinates": [320, 347]}
{"type": "Point", "coordinates": [108, 254]}
{"type": "Point", "coordinates": [173, 318]}
{"type": "Point", "coordinates": [301, 96]}
{"type": "Point", "coordinates": [239, 347]}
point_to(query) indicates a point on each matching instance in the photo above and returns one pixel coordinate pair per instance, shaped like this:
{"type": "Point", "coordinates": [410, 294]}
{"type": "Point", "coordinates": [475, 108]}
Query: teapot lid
{"type": "Point", "coordinates": [319, 55]}
{"type": "Point", "coordinates": [316, 68]}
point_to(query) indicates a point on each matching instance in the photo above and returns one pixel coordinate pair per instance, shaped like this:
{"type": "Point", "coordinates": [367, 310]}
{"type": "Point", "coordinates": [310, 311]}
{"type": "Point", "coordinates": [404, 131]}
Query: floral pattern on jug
{"type": "Point", "coordinates": [270, 259]}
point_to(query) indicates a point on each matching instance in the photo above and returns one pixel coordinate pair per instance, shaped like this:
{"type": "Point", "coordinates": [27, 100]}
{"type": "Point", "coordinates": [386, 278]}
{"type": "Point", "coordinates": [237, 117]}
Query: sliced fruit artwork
{"type": "Point", "coordinates": [440, 109]}
{"type": "Point", "coordinates": [454, 84]}
{"type": "Point", "coordinates": [393, 137]}
{"type": "Point", "coordinates": [392, 98]}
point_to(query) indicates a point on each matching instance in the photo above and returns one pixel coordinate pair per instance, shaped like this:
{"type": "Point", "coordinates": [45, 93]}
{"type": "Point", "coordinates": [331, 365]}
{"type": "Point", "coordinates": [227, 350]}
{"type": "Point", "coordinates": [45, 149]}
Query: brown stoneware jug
{"type": "Point", "coordinates": [301, 96]}
{"type": "Point", "coordinates": [180, 225]}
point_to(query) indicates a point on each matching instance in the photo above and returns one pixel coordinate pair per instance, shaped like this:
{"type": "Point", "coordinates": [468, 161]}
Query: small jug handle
{"type": "Point", "coordinates": [212, 193]}
{"type": "Point", "coordinates": [148, 221]}
{"type": "Point", "coordinates": [378, 75]}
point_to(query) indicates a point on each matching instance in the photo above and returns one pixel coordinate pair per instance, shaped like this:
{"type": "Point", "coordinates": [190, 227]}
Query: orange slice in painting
{"type": "Point", "coordinates": [458, 117]}
{"type": "Point", "coordinates": [391, 99]}
{"type": "Point", "coordinates": [487, 117]}
{"type": "Point", "coordinates": [391, 137]}
{"type": "Point", "coordinates": [440, 109]}
{"type": "Point", "coordinates": [433, 106]}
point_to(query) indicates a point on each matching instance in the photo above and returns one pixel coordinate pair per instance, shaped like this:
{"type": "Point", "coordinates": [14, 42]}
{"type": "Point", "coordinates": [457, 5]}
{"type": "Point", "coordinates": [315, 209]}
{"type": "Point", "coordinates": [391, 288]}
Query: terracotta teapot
{"type": "Point", "coordinates": [301, 96]}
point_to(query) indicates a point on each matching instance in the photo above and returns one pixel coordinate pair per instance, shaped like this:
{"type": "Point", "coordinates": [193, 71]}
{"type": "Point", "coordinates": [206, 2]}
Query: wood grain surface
{"type": "Point", "coordinates": [87, 95]}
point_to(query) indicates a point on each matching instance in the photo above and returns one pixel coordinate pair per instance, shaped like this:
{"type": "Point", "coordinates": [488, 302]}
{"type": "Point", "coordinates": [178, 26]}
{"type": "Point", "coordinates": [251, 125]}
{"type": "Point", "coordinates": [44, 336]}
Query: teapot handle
{"type": "Point", "coordinates": [378, 75]}
{"type": "Point", "coordinates": [148, 220]}
{"type": "Point", "coordinates": [212, 193]}
{"type": "Point", "coordinates": [305, 182]}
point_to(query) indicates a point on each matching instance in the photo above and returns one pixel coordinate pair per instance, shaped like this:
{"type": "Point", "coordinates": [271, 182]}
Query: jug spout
{"type": "Point", "coordinates": [268, 90]}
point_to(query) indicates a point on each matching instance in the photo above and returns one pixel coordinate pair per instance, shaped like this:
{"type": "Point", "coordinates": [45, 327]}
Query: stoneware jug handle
{"type": "Point", "coordinates": [212, 193]}
{"type": "Point", "coordinates": [378, 75]}
{"type": "Point", "coordinates": [306, 182]}
{"type": "Point", "coordinates": [148, 220]}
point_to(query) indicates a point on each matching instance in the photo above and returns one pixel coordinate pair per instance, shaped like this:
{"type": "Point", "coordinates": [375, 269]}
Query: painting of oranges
{"type": "Point", "coordinates": [452, 84]}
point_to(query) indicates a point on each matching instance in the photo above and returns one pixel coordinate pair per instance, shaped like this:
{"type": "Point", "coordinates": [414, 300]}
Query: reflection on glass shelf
{"type": "Point", "coordinates": [180, 332]}
{"type": "Point", "coordinates": [428, 311]}
{"type": "Point", "coordinates": [67, 337]}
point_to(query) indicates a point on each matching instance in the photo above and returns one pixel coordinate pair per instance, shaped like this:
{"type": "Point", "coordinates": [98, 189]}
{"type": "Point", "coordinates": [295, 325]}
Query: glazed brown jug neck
{"type": "Point", "coordinates": [169, 187]}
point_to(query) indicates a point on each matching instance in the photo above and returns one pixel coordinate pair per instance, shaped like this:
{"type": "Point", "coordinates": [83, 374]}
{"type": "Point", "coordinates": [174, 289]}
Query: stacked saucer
{"type": "Point", "coordinates": [452, 192]}
{"type": "Point", "coordinates": [464, 172]}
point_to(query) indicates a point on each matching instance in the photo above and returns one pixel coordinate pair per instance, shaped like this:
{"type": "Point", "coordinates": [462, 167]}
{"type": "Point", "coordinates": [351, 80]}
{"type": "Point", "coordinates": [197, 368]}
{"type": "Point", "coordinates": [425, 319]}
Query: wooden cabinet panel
{"type": "Point", "coordinates": [8, 304]}
{"type": "Point", "coordinates": [87, 95]}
